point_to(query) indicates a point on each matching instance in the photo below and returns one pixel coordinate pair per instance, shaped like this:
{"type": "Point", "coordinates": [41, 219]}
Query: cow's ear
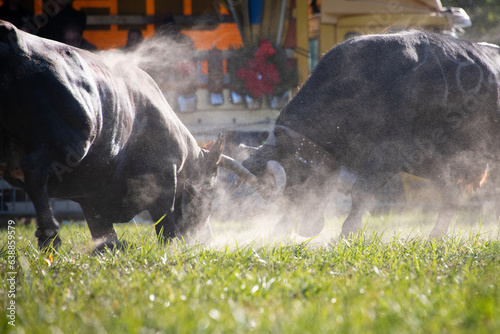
{"type": "Point", "coordinates": [210, 144]}
{"type": "Point", "coordinates": [6, 31]}
{"type": "Point", "coordinates": [9, 36]}
{"type": "Point", "coordinates": [214, 155]}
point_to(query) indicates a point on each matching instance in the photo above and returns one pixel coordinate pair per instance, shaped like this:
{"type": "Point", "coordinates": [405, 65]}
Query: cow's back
{"type": "Point", "coordinates": [41, 97]}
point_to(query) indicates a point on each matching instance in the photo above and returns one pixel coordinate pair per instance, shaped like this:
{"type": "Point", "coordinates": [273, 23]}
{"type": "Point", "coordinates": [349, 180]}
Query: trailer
{"type": "Point", "coordinates": [15, 204]}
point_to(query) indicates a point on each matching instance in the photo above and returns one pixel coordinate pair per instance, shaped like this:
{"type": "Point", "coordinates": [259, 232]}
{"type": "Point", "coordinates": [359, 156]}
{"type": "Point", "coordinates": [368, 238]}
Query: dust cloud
{"type": "Point", "coordinates": [251, 220]}
{"type": "Point", "coordinates": [169, 58]}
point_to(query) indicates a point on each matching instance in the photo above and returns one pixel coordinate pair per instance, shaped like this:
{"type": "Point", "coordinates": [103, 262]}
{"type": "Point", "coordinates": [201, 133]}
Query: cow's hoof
{"type": "Point", "coordinates": [109, 246]}
{"type": "Point", "coordinates": [351, 229]}
{"type": "Point", "coordinates": [310, 229]}
{"type": "Point", "coordinates": [283, 229]}
{"type": "Point", "coordinates": [436, 234]}
{"type": "Point", "coordinates": [194, 240]}
{"type": "Point", "coordinates": [351, 234]}
{"type": "Point", "coordinates": [164, 241]}
{"type": "Point", "coordinates": [105, 247]}
{"type": "Point", "coordinates": [204, 235]}
{"type": "Point", "coordinates": [201, 235]}
{"type": "Point", "coordinates": [48, 241]}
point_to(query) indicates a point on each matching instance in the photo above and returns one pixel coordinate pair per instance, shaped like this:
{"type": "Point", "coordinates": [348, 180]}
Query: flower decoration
{"type": "Point", "coordinates": [260, 70]}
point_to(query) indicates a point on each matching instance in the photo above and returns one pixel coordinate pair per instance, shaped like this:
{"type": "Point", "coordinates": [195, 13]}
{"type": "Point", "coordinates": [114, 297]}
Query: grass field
{"type": "Point", "coordinates": [391, 280]}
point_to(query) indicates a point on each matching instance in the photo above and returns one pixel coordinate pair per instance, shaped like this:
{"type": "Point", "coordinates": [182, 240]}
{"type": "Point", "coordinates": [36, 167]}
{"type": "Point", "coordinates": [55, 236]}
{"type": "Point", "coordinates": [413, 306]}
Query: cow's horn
{"type": "Point", "coordinates": [279, 174]}
{"type": "Point", "coordinates": [236, 167]}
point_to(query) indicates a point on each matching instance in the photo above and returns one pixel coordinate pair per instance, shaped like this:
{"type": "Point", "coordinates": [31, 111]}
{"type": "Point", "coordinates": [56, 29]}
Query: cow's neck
{"type": "Point", "coordinates": [309, 152]}
{"type": "Point", "coordinates": [320, 160]}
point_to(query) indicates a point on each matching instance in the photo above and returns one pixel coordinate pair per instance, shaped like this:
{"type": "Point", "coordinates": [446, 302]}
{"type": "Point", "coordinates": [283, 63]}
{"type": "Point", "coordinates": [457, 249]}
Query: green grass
{"type": "Point", "coordinates": [388, 281]}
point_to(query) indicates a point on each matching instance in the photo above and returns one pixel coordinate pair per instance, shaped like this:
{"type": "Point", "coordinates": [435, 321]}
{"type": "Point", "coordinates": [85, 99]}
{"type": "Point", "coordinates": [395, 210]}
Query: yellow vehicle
{"type": "Point", "coordinates": [348, 17]}
{"type": "Point", "coordinates": [342, 19]}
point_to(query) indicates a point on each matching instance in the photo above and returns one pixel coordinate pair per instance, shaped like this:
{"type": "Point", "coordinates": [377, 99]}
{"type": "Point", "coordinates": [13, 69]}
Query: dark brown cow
{"type": "Point", "coordinates": [80, 126]}
{"type": "Point", "coordinates": [414, 102]}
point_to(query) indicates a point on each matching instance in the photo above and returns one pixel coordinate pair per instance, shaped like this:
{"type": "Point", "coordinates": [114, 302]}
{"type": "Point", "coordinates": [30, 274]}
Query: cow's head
{"type": "Point", "coordinates": [265, 164]}
{"type": "Point", "coordinates": [290, 159]}
{"type": "Point", "coordinates": [199, 190]}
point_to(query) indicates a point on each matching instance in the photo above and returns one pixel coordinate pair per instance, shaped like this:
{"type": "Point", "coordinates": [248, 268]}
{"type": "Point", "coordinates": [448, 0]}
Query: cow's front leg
{"type": "Point", "coordinates": [286, 224]}
{"type": "Point", "coordinates": [303, 212]}
{"type": "Point", "coordinates": [103, 235]}
{"type": "Point", "coordinates": [164, 220]}
{"type": "Point", "coordinates": [361, 195]}
{"type": "Point", "coordinates": [385, 161]}
{"type": "Point", "coordinates": [164, 210]}
{"type": "Point", "coordinates": [289, 205]}
{"type": "Point", "coordinates": [310, 216]}
{"type": "Point", "coordinates": [36, 177]}
{"type": "Point", "coordinates": [102, 231]}
{"type": "Point", "coordinates": [47, 232]}
{"type": "Point", "coordinates": [360, 198]}
{"type": "Point", "coordinates": [450, 200]}
{"type": "Point", "coordinates": [304, 207]}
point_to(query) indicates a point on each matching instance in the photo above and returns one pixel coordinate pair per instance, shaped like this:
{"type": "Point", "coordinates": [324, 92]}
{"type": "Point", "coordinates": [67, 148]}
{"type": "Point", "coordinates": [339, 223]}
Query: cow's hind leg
{"type": "Point", "coordinates": [36, 170]}
{"type": "Point", "coordinates": [494, 183]}
{"type": "Point", "coordinates": [450, 200]}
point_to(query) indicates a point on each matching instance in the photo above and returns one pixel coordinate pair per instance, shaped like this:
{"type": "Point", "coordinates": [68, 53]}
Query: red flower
{"type": "Point", "coordinates": [260, 77]}
{"type": "Point", "coordinates": [265, 49]}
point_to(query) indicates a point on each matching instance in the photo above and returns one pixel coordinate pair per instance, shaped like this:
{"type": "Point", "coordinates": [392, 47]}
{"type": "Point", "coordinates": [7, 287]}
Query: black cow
{"type": "Point", "coordinates": [85, 127]}
{"type": "Point", "coordinates": [414, 102]}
